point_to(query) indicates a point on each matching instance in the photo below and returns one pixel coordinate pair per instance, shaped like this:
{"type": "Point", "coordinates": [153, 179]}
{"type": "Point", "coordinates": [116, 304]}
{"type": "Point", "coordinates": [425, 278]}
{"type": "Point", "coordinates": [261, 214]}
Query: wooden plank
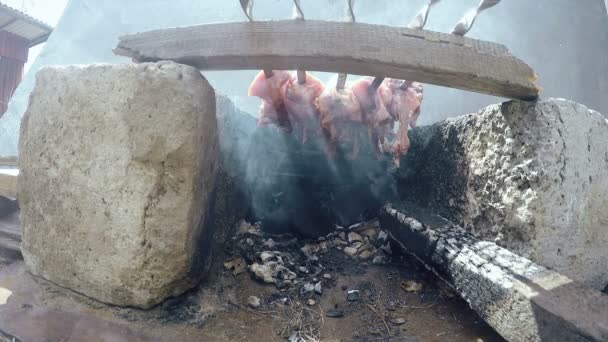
{"type": "Point", "coordinates": [8, 182]}
{"type": "Point", "coordinates": [354, 48]}
{"type": "Point", "coordinates": [521, 300]}
{"type": "Point", "coordinates": [9, 161]}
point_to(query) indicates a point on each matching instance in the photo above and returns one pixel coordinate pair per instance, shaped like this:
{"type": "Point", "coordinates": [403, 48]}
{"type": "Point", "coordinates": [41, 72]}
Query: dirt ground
{"type": "Point", "coordinates": [217, 310]}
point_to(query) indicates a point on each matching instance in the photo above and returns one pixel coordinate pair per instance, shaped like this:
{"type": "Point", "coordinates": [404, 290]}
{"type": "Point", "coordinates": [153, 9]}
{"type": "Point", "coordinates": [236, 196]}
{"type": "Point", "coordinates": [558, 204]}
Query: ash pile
{"type": "Point", "coordinates": [301, 269]}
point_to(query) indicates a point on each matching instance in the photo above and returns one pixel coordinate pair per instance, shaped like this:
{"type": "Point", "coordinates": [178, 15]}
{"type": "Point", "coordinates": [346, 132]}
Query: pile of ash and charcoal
{"type": "Point", "coordinates": [308, 288]}
{"type": "Point", "coordinates": [300, 268]}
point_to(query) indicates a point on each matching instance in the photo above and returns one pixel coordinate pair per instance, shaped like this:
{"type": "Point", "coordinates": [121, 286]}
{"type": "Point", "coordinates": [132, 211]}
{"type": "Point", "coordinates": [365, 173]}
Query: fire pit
{"type": "Point", "coordinates": [153, 207]}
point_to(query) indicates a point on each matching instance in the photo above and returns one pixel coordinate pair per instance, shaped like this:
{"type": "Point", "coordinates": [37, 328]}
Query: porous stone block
{"type": "Point", "coordinates": [118, 167]}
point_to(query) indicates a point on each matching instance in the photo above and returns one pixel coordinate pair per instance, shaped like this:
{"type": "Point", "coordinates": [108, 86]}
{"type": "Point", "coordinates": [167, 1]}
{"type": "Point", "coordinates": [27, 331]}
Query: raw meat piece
{"type": "Point", "coordinates": [299, 102]}
{"type": "Point", "coordinates": [405, 105]}
{"type": "Point", "coordinates": [376, 115]}
{"type": "Point", "coordinates": [341, 117]}
{"type": "Point", "coordinates": [269, 90]}
{"type": "Point", "coordinates": [269, 114]}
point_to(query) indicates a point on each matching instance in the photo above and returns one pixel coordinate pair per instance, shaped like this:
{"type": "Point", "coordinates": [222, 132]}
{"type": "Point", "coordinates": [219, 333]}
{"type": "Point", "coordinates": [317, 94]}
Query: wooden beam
{"type": "Point", "coordinates": [8, 182]}
{"type": "Point", "coordinates": [353, 48]}
{"type": "Point", "coordinates": [9, 161]}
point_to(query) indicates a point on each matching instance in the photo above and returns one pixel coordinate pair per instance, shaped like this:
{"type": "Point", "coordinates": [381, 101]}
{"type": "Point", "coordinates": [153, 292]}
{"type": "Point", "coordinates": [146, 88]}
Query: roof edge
{"type": "Point", "coordinates": [29, 19]}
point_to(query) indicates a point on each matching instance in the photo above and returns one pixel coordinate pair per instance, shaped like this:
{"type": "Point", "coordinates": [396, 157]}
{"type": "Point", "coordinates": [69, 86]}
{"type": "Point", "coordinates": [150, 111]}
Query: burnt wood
{"type": "Point", "coordinates": [353, 48]}
{"type": "Point", "coordinates": [521, 300]}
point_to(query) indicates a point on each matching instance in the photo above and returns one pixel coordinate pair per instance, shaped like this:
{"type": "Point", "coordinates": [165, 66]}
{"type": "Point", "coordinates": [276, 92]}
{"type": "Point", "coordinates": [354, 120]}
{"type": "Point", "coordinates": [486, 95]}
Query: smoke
{"type": "Point", "coordinates": [296, 187]}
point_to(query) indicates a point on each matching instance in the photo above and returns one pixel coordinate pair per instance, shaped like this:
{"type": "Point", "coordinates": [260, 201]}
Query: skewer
{"type": "Point", "coordinates": [420, 19]}
{"type": "Point", "coordinates": [417, 23]}
{"type": "Point", "coordinates": [351, 18]}
{"type": "Point", "coordinates": [298, 14]}
{"type": "Point", "coordinates": [406, 84]}
{"type": "Point", "coordinates": [247, 6]}
{"type": "Point", "coordinates": [375, 85]}
{"type": "Point", "coordinates": [466, 22]}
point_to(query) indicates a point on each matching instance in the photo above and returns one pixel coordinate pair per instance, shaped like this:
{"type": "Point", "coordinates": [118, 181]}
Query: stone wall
{"type": "Point", "coordinates": [531, 176]}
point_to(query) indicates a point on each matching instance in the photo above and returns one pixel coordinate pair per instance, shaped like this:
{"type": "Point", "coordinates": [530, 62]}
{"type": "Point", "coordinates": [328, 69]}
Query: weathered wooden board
{"type": "Point", "coordinates": [354, 48]}
{"type": "Point", "coordinates": [8, 182]}
{"type": "Point", "coordinates": [9, 161]}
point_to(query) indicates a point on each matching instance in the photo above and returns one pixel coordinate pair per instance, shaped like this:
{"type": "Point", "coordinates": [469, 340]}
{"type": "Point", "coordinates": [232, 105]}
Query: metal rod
{"type": "Point", "coordinates": [350, 11]}
{"type": "Point", "coordinates": [301, 76]}
{"type": "Point", "coordinates": [247, 6]}
{"type": "Point", "coordinates": [417, 23]}
{"type": "Point", "coordinates": [406, 84]}
{"type": "Point", "coordinates": [268, 73]}
{"type": "Point", "coordinates": [298, 14]}
{"type": "Point", "coordinates": [341, 81]}
{"type": "Point", "coordinates": [465, 23]}
{"type": "Point", "coordinates": [375, 85]}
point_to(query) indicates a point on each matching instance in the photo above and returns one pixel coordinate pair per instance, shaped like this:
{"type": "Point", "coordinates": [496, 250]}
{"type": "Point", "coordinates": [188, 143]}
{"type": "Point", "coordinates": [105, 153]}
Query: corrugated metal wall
{"type": "Point", "coordinates": [13, 55]}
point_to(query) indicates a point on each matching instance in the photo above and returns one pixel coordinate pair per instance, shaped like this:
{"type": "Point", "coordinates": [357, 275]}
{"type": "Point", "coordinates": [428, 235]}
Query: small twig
{"type": "Point", "coordinates": [251, 310]}
{"type": "Point", "coordinates": [322, 314]}
{"type": "Point", "coordinates": [271, 313]}
{"type": "Point", "coordinates": [417, 307]}
{"type": "Point", "coordinates": [371, 307]}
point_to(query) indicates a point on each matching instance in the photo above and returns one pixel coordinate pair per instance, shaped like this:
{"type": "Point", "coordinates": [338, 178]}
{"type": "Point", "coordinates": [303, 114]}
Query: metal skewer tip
{"type": "Point", "coordinates": [405, 84]}
{"type": "Point", "coordinates": [341, 81]}
{"type": "Point", "coordinates": [420, 19]}
{"type": "Point", "coordinates": [350, 12]}
{"type": "Point", "coordinates": [375, 85]}
{"type": "Point", "coordinates": [298, 14]}
{"type": "Point", "coordinates": [247, 6]}
{"type": "Point", "coordinates": [301, 76]}
{"type": "Point", "coordinates": [465, 24]}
